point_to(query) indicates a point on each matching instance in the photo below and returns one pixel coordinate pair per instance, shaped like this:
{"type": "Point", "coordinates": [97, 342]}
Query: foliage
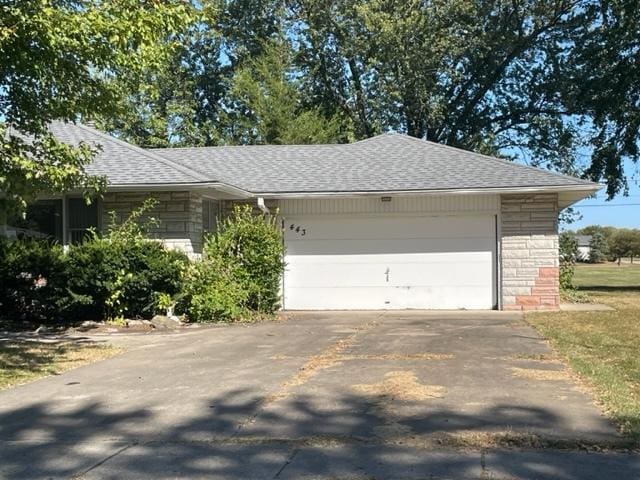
{"type": "Point", "coordinates": [122, 273]}
{"type": "Point", "coordinates": [252, 245]}
{"type": "Point", "coordinates": [240, 272]}
{"type": "Point", "coordinates": [65, 60]}
{"type": "Point", "coordinates": [598, 248]}
{"type": "Point", "coordinates": [625, 242]}
{"type": "Point", "coordinates": [568, 256]}
{"type": "Point", "coordinates": [34, 278]}
{"type": "Point", "coordinates": [525, 79]}
{"type": "Point", "coordinates": [266, 89]}
{"type": "Point", "coordinates": [213, 293]}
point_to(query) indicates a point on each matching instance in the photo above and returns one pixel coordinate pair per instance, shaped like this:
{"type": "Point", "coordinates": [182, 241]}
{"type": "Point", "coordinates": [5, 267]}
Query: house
{"type": "Point", "coordinates": [584, 247]}
{"type": "Point", "coordinates": [391, 222]}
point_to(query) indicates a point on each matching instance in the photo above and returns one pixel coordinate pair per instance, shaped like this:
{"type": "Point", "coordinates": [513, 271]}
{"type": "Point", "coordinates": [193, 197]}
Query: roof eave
{"type": "Point", "coordinates": [585, 190]}
{"type": "Point", "coordinates": [231, 190]}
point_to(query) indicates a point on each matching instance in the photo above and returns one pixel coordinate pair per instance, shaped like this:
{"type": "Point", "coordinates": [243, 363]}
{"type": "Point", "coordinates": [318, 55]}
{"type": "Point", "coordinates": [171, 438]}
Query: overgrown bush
{"type": "Point", "coordinates": [568, 256]}
{"type": "Point", "coordinates": [240, 273]}
{"type": "Point", "coordinates": [123, 273]}
{"type": "Point", "coordinates": [33, 281]}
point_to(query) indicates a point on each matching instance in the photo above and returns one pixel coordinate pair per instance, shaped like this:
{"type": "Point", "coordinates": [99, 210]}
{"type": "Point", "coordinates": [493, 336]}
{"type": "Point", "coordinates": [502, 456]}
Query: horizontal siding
{"type": "Point", "coordinates": [427, 203]}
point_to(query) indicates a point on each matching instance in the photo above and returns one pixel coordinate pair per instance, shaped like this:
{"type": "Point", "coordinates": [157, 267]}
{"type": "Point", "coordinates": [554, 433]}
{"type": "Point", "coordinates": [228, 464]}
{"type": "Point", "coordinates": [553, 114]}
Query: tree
{"type": "Point", "coordinates": [568, 244]}
{"type": "Point", "coordinates": [69, 59]}
{"type": "Point", "coordinates": [625, 243]}
{"type": "Point", "coordinates": [496, 77]}
{"type": "Point", "coordinates": [268, 93]}
{"type": "Point", "coordinates": [598, 248]}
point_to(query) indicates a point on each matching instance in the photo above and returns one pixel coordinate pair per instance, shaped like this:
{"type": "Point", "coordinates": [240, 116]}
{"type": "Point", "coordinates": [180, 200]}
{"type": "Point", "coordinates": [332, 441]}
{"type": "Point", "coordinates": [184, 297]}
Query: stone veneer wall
{"type": "Point", "coordinates": [180, 215]}
{"type": "Point", "coordinates": [530, 264]}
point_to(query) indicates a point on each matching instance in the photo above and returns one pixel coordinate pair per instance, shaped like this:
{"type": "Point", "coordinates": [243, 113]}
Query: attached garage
{"type": "Point", "coordinates": [410, 256]}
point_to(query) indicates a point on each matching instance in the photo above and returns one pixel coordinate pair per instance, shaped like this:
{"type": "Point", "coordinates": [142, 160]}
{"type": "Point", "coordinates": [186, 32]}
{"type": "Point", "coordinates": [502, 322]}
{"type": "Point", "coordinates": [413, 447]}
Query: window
{"type": "Point", "coordinates": [81, 218]}
{"type": "Point", "coordinates": [210, 211]}
{"type": "Point", "coordinates": [44, 219]}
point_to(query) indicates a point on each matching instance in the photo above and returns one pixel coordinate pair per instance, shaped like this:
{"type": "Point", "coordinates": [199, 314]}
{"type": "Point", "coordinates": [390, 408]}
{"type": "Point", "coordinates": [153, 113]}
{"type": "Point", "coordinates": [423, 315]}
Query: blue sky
{"type": "Point", "coordinates": [620, 212]}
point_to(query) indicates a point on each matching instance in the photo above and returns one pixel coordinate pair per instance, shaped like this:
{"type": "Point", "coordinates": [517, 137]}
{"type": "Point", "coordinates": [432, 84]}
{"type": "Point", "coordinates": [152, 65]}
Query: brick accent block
{"type": "Point", "coordinates": [529, 252]}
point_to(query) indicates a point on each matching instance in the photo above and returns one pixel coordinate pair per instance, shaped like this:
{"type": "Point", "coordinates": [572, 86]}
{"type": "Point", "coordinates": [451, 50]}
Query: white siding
{"type": "Point", "coordinates": [368, 205]}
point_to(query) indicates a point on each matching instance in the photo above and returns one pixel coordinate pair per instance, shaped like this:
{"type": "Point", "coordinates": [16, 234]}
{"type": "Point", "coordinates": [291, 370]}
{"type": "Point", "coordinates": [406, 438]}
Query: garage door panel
{"type": "Point", "coordinates": [341, 262]}
{"type": "Point", "coordinates": [372, 270]}
{"type": "Point", "coordinates": [383, 298]}
{"type": "Point", "coordinates": [372, 246]}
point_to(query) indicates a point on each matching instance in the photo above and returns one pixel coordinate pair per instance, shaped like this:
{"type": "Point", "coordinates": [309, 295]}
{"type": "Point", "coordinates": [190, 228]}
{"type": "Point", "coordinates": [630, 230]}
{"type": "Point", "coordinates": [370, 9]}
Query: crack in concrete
{"type": "Point", "coordinates": [79, 476]}
{"type": "Point", "coordinates": [287, 462]}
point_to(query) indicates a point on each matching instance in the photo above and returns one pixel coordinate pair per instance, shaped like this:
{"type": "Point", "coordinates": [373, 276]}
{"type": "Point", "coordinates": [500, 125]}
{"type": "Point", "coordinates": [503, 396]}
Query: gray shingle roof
{"type": "Point", "coordinates": [121, 162]}
{"type": "Point", "coordinates": [388, 162]}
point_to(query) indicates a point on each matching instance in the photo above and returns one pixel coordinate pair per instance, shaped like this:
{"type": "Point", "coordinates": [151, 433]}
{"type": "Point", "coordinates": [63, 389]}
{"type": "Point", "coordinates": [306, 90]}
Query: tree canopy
{"type": "Point", "coordinates": [555, 83]}
{"type": "Point", "coordinates": [70, 59]}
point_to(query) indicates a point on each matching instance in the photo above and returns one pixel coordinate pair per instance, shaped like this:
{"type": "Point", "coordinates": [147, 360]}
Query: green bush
{"type": "Point", "coordinates": [33, 281]}
{"type": "Point", "coordinates": [212, 293]}
{"type": "Point", "coordinates": [240, 273]}
{"type": "Point", "coordinates": [123, 273]}
{"type": "Point", "coordinates": [568, 256]}
{"type": "Point", "coordinates": [122, 279]}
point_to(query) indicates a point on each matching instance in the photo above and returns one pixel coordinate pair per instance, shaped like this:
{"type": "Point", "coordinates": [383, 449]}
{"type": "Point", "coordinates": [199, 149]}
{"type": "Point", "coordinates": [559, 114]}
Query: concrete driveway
{"type": "Point", "coordinates": [332, 395]}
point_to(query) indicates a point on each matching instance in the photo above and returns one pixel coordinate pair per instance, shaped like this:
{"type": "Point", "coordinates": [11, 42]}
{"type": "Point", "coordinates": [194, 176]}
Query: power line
{"type": "Point", "coordinates": [610, 205]}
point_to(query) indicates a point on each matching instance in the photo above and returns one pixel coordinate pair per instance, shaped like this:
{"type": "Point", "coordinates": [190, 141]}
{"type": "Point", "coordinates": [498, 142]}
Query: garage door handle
{"type": "Point", "coordinates": [387, 274]}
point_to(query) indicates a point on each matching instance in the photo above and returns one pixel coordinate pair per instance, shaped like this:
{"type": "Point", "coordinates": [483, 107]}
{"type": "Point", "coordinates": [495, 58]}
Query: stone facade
{"type": "Point", "coordinates": [180, 215]}
{"type": "Point", "coordinates": [529, 242]}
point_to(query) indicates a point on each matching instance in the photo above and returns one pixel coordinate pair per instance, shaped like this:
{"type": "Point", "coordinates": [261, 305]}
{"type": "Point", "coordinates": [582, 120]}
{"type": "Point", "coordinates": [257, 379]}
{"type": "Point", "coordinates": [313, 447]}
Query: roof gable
{"type": "Point", "coordinates": [123, 163]}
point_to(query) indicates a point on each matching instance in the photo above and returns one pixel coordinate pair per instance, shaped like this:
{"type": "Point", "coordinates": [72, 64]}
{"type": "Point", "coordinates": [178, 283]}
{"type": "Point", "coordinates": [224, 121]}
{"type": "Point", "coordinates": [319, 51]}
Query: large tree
{"type": "Point", "coordinates": [553, 82]}
{"type": "Point", "coordinates": [70, 59]}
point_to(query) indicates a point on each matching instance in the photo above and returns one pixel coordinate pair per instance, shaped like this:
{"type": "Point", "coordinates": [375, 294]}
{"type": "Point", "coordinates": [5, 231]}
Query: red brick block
{"type": "Point", "coordinates": [527, 300]}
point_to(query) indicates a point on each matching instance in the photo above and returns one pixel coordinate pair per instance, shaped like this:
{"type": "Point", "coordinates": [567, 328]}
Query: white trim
{"type": "Point", "coordinates": [476, 191]}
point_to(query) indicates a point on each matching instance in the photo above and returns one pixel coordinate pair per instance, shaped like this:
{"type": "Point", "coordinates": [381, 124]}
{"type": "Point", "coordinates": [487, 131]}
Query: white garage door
{"type": "Point", "coordinates": [390, 262]}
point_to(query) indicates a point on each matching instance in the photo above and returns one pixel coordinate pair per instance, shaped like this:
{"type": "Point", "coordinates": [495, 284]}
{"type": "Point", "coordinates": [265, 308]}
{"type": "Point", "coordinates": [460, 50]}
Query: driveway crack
{"type": "Point", "coordinates": [287, 462]}
{"type": "Point", "coordinates": [104, 460]}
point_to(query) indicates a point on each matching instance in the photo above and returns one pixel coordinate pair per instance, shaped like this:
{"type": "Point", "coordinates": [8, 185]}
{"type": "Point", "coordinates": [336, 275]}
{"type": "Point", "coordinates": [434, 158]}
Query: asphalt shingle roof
{"type": "Point", "coordinates": [121, 162]}
{"type": "Point", "coordinates": [388, 162]}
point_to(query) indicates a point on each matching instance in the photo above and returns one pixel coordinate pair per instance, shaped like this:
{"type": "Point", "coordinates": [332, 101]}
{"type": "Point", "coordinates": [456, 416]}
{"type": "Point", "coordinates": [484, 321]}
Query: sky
{"type": "Point", "coordinates": [620, 212]}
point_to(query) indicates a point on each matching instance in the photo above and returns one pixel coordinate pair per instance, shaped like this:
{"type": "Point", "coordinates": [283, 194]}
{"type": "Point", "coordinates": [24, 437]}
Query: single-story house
{"type": "Point", "coordinates": [584, 247]}
{"type": "Point", "coordinates": [391, 222]}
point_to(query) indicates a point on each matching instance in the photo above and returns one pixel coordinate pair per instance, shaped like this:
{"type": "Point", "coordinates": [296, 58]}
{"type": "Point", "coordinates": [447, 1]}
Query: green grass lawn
{"type": "Point", "coordinates": [22, 362]}
{"type": "Point", "coordinates": [608, 276]}
{"type": "Point", "coordinates": [604, 347]}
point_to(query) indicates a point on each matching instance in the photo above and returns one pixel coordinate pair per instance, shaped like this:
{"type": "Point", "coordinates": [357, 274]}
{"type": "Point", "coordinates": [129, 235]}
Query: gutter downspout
{"type": "Point", "coordinates": [263, 208]}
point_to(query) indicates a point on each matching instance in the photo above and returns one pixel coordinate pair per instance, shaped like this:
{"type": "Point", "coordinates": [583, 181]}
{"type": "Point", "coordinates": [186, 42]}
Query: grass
{"type": "Point", "coordinates": [25, 361]}
{"type": "Point", "coordinates": [602, 347]}
{"type": "Point", "coordinates": [608, 276]}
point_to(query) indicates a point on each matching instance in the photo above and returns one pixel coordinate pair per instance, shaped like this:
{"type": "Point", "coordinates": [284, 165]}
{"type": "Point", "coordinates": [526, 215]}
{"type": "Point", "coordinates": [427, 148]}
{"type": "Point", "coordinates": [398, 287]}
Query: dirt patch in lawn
{"type": "Point", "coordinates": [539, 374]}
{"type": "Point", "coordinates": [25, 361]}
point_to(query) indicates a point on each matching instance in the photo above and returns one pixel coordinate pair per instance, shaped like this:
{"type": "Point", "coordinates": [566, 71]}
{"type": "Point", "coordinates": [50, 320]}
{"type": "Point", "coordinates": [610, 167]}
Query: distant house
{"type": "Point", "coordinates": [583, 247]}
{"type": "Point", "coordinates": [391, 222]}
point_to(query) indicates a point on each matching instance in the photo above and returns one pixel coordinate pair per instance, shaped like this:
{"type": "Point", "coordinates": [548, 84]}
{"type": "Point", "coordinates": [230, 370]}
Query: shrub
{"type": "Point", "coordinates": [251, 245]}
{"type": "Point", "coordinates": [33, 281]}
{"type": "Point", "coordinates": [568, 256]}
{"type": "Point", "coordinates": [123, 279]}
{"type": "Point", "coordinates": [240, 272]}
{"type": "Point", "coordinates": [122, 273]}
{"type": "Point", "coordinates": [212, 293]}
